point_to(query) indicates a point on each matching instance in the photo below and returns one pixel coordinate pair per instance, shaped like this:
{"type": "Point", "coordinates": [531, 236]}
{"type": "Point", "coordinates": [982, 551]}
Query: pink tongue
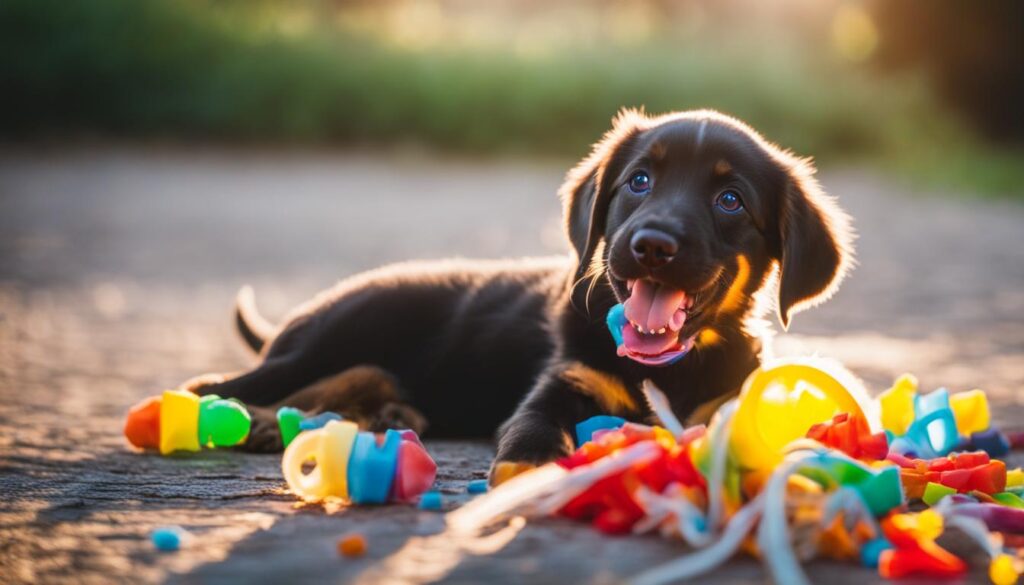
{"type": "Point", "coordinates": [653, 306]}
{"type": "Point", "coordinates": [649, 344]}
{"type": "Point", "coordinates": [678, 320]}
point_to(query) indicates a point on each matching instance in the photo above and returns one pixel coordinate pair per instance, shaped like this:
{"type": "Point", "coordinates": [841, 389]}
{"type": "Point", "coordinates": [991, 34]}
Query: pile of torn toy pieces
{"type": "Point", "coordinates": [801, 465]}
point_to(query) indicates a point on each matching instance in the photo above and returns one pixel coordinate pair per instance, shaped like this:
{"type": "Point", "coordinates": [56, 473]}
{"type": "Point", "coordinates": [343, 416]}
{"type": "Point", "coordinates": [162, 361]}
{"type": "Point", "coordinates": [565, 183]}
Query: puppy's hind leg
{"type": "Point", "coordinates": [366, 395]}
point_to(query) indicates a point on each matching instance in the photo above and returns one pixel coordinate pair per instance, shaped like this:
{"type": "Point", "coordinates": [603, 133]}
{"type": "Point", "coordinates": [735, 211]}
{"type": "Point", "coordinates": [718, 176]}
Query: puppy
{"type": "Point", "coordinates": [681, 218]}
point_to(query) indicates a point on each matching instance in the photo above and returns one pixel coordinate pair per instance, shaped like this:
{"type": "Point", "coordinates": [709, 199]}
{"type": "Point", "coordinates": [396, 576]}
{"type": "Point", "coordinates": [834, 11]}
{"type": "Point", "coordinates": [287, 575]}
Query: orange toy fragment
{"type": "Point", "coordinates": [352, 545]}
{"type": "Point", "coordinates": [142, 426]}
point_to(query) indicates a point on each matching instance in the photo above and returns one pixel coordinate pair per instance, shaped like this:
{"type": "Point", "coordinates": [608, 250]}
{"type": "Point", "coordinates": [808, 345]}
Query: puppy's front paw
{"type": "Point", "coordinates": [264, 434]}
{"type": "Point", "coordinates": [526, 442]}
{"type": "Point", "coordinates": [503, 471]}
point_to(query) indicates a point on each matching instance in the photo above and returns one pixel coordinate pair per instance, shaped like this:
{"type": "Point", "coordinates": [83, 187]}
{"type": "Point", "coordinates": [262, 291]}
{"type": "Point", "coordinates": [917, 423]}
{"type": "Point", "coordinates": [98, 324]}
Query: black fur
{"type": "Point", "coordinates": [465, 344]}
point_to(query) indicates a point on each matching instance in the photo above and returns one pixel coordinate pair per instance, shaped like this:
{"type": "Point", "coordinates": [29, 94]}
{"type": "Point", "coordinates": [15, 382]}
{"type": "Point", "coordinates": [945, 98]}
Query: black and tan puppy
{"type": "Point", "coordinates": [682, 218]}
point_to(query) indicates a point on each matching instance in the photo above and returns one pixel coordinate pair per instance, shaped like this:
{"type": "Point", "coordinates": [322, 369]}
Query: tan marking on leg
{"type": "Point", "coordinates": [506, 470]}
{"type": "Point", "coordinates": [608, 391]}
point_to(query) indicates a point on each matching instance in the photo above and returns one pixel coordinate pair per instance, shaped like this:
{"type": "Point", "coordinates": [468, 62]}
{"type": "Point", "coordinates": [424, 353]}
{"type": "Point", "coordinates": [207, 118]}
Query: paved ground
{"type": "Point", "coordinates": [117, 270]}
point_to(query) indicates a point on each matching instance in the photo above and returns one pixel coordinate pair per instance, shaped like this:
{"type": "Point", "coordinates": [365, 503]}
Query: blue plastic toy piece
{"type": "Point", "coordinates": [616, 320]}
{"type": "Point", "coordinates": [871, 550]}
{"type": "Point", "coordinates": [431, 500]}
{"type": "Point", "coordinates": [371, 468]}
{"type": "Point", "coordinates": [991, 441]}
{"type": "Point", "coordinates": [700, 524]}
{"type": "Point", "coordinates": [933, 432]}
{"type": "Point", "coordinates": [167, 538]}
{"type": "Point", "coordinates": [586, 429]}
{"type": "Point", "coordinates": [477, 486]}
{"type": "Point", "coordinates": [319, 421]}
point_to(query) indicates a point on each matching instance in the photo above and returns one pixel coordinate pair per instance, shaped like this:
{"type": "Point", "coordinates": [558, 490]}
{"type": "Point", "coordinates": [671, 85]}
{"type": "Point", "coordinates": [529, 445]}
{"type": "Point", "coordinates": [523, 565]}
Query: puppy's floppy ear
{"type": "Point", "coordinates": [586, 192]}
{"type": "Point", "coordinates": [815, 248]}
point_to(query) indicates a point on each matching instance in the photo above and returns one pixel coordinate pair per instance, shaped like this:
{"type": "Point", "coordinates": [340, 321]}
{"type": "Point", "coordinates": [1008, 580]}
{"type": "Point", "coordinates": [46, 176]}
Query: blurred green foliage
{"type": "Point", "coordinates": [222, 70]}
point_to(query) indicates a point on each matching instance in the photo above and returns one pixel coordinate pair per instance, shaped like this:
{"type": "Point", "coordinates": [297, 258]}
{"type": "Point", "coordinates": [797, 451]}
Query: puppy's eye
{"type": "Point", "coordinates": [640, 183]}
{"type": "Point", "coordinates": [729, 202]}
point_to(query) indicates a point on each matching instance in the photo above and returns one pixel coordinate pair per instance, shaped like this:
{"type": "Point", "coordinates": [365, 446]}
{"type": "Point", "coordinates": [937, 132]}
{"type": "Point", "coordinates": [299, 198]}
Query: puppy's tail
{"type": "Point", "coordinates": [254, 329]}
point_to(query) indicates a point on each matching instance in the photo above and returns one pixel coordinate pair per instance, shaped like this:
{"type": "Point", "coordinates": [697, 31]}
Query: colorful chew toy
{"type": "Point", "coordinates": [292, 421]}
{"type": "Point", "coordinates": [179, 420]}
{"type": "Point", "coordinates": [796, 467]}
{"type": "Point", "coordinates": [358, 467]}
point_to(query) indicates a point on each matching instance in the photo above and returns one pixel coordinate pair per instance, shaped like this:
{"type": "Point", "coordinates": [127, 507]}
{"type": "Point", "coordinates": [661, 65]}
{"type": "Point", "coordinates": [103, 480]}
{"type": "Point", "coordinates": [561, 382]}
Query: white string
{"type": "Point", "coordinates": [660, 406]}
{"type": "Point", "coordinates": [707, 559]}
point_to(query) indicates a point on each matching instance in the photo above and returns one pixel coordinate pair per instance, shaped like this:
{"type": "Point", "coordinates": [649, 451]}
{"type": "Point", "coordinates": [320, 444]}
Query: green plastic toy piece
{"type": "Point", "coordinates": [222, 422]}
{"type": "Point", "coordinates": [288, 420]}
{"type": "Point", "coordinates": [1009, 499]}
{"type": "Point", "coordinates": [880, 489]}
{"type": "Point", "coordinates": [933, 492]}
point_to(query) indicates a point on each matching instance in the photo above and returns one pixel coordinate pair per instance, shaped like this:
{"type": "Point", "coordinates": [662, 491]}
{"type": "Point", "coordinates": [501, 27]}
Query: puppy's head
{"type": "Point", "coordinates": [686, 215]}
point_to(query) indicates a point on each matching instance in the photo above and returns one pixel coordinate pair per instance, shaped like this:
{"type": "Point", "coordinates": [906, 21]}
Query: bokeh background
{"type": "Point", "coordinates": [929, 88]}
{"type": "Point", "coordinates": [155, 155]}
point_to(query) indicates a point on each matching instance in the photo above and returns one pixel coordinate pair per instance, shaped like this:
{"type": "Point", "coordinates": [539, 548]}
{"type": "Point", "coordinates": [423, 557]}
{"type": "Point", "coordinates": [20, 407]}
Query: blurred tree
{"type": "Point", "coordinates": [973, 53]}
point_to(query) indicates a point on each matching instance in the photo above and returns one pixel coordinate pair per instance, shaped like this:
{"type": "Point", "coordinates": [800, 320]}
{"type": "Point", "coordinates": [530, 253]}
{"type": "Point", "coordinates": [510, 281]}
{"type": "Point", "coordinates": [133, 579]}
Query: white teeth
{"type": "Point", "coordinates": [643, 331]}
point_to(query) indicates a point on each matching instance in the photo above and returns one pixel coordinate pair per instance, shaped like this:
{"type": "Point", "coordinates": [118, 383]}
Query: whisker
{"type": "Point", "coordinates": [593, 283]}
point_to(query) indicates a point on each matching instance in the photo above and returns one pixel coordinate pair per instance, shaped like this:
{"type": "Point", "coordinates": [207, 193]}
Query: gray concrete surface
{"type": "Point", "coordinates": [117, 271]}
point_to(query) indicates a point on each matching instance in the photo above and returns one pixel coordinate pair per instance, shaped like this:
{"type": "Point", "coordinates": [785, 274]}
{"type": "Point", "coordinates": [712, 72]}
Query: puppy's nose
{"type": "Point", "coordinates": [653, 248]}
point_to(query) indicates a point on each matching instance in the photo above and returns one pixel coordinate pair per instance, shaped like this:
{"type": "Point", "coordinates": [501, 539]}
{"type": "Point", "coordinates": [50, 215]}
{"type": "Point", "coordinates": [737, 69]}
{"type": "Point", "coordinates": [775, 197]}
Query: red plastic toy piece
{"type": "Point", "coordinates": [609, 503]}
{"type": "Point", "coordinates": [914, 549]}
{"type": "Point", "coordinates": [964, 472]}
{"type": "Point", "coordinates": [898, 563]}
{"type": "Point", "coordinates": [851, 435]}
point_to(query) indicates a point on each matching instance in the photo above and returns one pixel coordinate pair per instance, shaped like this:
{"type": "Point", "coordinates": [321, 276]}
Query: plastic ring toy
{"type": "Point", "coordinates": [336, 445]}
{"type": "Point", "coordinates": [329, 449]}
{"type": "Point", "coordinates": [780, 401]}
{"type": "Point", "coordinates": [302, 449]}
